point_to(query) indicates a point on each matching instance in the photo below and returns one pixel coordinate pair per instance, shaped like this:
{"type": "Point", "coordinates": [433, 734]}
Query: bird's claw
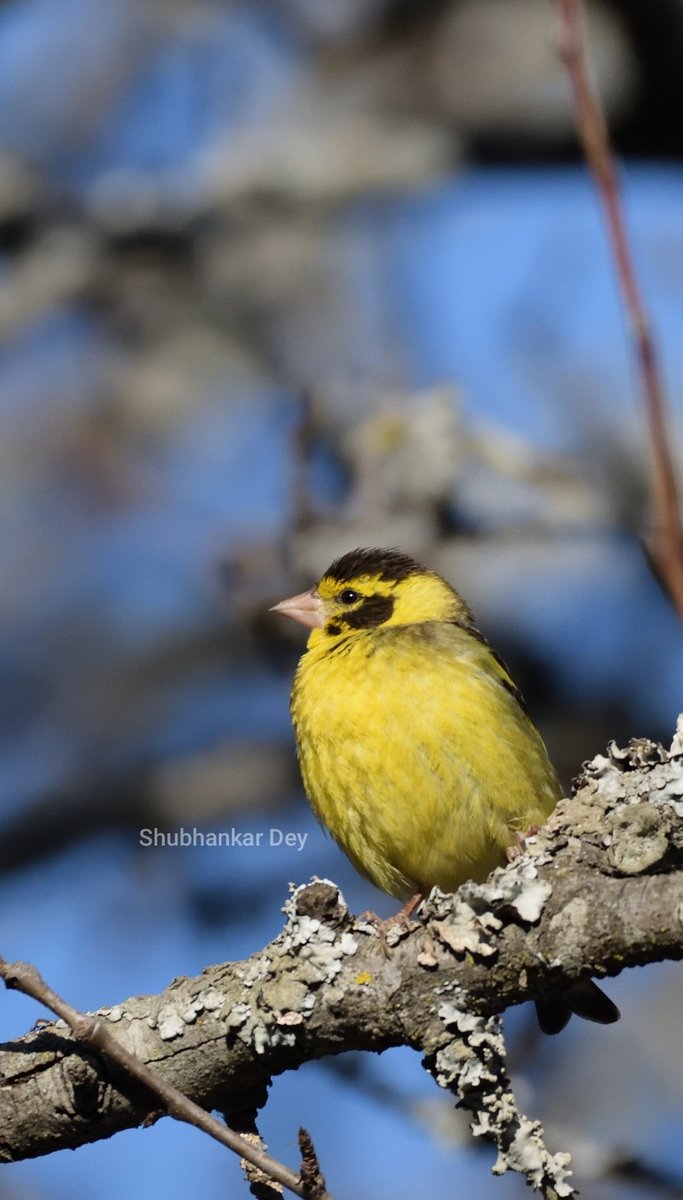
{"type": "Point", "coordinates": [400, 922]}
{"type": "Point", "coordinates": [518, 847]}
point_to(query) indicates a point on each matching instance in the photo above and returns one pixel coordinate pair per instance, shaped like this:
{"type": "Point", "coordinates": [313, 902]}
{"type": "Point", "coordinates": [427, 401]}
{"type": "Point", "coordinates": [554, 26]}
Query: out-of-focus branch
{"type": "Point", "coordinates": [667, 547]}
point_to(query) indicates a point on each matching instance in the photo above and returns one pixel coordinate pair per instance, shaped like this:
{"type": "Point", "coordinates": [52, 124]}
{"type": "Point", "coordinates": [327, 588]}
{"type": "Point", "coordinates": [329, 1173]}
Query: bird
{"type": "Point", "coordinates": [416, 749]}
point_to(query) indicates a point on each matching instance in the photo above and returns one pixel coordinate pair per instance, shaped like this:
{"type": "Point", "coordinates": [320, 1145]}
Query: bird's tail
{"type": "Point", "coordinates": [584, 999]}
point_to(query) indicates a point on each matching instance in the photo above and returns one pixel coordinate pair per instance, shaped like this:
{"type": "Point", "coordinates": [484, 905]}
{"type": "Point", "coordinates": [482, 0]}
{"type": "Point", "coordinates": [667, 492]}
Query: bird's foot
{"type": "Point", "coordinates": [519, 845]}
{"type": "Point", "coordinates": [398, 921]}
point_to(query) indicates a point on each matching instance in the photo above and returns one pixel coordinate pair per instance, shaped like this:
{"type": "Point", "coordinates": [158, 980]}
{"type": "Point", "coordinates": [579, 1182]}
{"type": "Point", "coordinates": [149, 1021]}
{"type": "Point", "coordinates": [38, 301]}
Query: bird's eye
{"type": "Point", "coordinates": [349, 596]}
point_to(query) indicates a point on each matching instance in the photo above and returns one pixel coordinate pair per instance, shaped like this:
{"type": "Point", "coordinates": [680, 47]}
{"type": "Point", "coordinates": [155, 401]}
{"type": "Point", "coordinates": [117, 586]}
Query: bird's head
{"type": "Point", "coordinates": [365, 589]}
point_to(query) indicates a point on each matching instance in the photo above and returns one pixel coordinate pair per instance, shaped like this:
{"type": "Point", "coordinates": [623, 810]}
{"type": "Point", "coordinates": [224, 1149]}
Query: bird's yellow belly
{"type": "Point", "coordinates": [421, 770]}
{"type": "Point", "coordinates": [402, 836]}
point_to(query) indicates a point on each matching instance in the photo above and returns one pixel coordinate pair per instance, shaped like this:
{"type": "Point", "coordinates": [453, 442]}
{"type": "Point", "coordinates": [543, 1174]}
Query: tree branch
{"type": "Point", "coordinates": [667, 547]}
{"type": "Point", "coordinates": [93, 1032]}
{"type": "Point", "coordinates": [599, 888]}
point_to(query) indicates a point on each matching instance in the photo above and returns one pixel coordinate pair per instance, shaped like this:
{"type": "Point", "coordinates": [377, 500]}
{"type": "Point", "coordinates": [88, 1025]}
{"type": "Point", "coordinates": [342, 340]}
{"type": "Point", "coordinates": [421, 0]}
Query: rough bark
{"type": "Point", "coordinates": [600, 888]}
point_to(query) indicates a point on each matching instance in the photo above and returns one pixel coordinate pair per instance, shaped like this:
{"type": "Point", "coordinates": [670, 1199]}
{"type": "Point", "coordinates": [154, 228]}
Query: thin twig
{"type": "Point", "coordinates": [592, 127]}
{"type": "Point", "coordinates": [310, 1167]}
{"type": "Point", "coordinates": [24, 977]}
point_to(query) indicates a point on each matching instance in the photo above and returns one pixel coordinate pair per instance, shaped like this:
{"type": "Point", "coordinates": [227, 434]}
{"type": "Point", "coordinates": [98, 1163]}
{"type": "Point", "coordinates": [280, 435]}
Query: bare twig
{"type": "Point", "coordinates": [24, 977]}
{"type": "Point", "coordinates": [668, 534]}
{"type": "Point", "coordinates": [310, 1167]}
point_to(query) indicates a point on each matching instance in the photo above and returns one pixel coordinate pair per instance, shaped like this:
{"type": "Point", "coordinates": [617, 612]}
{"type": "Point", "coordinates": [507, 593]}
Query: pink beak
{"type": "Point", "coordinates": [307, 608]}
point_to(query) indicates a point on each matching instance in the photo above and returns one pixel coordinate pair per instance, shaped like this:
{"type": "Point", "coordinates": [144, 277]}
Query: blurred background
{"type": "Point", "coordinates": [279, 278]}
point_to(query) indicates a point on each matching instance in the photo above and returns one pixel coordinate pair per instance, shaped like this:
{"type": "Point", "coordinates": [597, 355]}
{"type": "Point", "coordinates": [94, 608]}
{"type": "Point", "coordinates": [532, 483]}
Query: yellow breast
{"type": "Point", "coordinates": [416, 754]}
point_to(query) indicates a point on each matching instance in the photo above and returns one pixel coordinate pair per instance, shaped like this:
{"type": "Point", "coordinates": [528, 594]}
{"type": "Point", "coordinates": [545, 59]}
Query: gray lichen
{"type": "Point", "coordinates": [471, 1064]}
{"type": "Point", "coordinates": [637, 838]}
{"type": "Point", "coordinates": [468, 922]}
{"type": "Point", "coordinates": [330, 982]}
{"type": "Point", "coordinates": [169, 1023]}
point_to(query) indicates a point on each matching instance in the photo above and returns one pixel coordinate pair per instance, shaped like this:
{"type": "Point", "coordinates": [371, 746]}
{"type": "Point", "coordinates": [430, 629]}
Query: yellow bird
{"type": "Point", "coordinates": [415, 746]}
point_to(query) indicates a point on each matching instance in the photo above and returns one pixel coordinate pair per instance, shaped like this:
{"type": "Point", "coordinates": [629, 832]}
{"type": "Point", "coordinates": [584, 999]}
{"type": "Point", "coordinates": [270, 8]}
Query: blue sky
{"type": "Point", "coordinates": [496, 281]}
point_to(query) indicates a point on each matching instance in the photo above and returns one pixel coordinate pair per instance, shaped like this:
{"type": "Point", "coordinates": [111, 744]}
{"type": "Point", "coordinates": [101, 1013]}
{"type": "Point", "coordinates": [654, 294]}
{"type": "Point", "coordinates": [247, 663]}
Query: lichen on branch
{"type": "Point", "coordinates": [600, 887]}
